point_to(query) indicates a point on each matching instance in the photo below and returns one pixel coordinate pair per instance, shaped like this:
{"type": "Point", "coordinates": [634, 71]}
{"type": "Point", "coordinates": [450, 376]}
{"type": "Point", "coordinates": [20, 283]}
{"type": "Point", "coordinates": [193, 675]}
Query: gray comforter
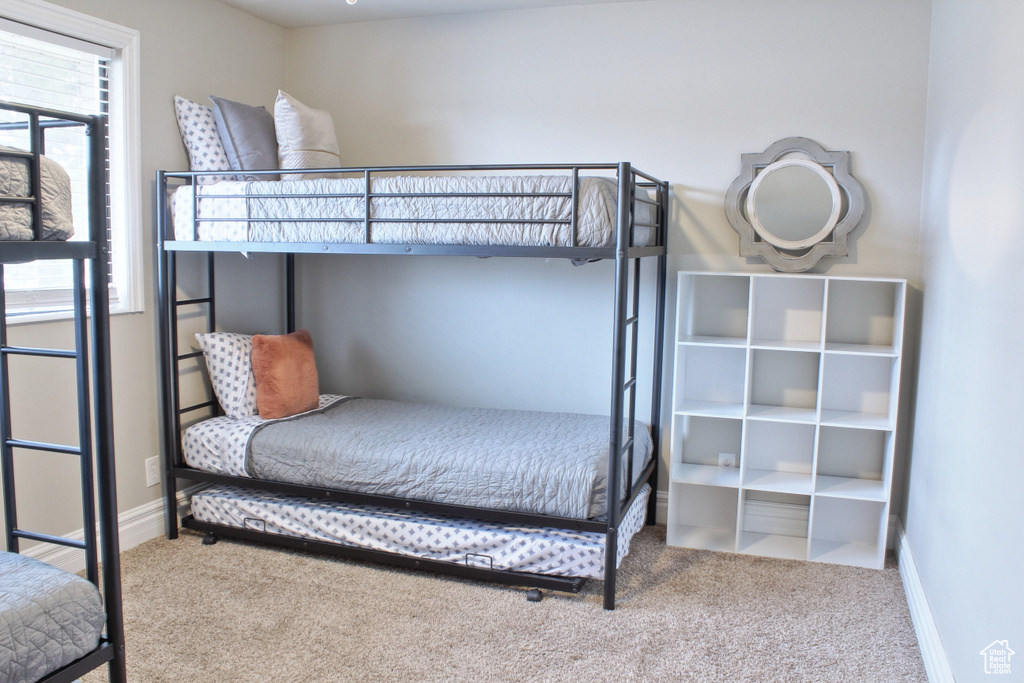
{"type": "Point", "coordinates": [48, 618]}
{"type": "Point", "coordinates": [526, 461]}
{"type": "Point", "coordinates": [16, 217]}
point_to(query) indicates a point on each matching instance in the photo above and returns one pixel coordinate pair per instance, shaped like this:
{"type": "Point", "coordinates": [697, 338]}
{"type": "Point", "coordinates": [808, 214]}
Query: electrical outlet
{"type": "Point", "coordinates": [153, 470]}
{"type": "Point", "coordinates": [727, 460]}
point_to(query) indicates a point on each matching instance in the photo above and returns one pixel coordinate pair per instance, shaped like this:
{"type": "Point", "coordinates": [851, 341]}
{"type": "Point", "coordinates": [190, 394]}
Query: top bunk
{"type": "Point", "coordinates": [36, 218]}
{"type": "Point", "coordinates": [582, 212]}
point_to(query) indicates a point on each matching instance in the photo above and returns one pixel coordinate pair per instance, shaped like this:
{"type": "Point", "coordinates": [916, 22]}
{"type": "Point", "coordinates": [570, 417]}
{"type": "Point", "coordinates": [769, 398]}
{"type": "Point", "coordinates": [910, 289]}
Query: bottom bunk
{"type": "Point", "coordinates": [535, 556]}
{"type": "Point", "coordinates": [51, 622]}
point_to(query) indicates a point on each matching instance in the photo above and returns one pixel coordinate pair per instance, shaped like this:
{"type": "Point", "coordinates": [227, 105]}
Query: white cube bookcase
{"type": "Point", "coordinates": [794, 379]}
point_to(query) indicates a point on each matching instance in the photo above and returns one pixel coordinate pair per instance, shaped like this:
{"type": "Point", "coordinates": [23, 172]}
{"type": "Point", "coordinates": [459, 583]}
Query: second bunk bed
{"type": "Point", "coordinates": [55, 625]}
{"type": "Point", "coordinates": [547, 511]}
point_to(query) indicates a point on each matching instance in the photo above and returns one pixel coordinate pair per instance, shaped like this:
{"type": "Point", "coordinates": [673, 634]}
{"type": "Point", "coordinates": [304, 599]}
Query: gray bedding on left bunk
{"type": "Point", "coordinates": [523, 461]}
{"type": "Point", "coordinates": [48, 618]}
{"type": "Point", "coordinates": [55, 192]}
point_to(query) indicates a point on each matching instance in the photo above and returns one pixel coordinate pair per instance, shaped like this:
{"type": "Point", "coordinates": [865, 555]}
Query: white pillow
{"type": "Point", "coordinates": [202, 141]}
{"type": "Point", "coordinates": [305, 138]}
{"type": "Point", "coordinates": [230, 366]}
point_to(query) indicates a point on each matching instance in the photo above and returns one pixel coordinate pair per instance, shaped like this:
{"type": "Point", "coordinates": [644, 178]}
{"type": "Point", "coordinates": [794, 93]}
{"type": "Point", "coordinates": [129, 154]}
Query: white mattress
{"type": "Point", "coordinates": [309, 211]}
{"type": "Point", "coordinates": [537, 550]}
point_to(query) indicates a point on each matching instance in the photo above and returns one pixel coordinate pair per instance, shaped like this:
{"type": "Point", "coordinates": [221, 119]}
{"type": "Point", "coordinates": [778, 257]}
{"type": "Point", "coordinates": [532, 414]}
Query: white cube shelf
{"type": "Point", "coordinates": [794, 380]}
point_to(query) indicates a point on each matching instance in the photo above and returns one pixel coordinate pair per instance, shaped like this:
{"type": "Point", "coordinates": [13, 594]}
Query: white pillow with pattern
{"type": "Point", "coordinates": [202, 141]}
{"type": "Point", "coordinates": [230, 367]}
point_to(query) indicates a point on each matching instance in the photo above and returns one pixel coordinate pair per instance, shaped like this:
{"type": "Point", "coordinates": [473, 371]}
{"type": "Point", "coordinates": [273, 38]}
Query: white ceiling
{"type": "Point", "coordinates": [296, 13]}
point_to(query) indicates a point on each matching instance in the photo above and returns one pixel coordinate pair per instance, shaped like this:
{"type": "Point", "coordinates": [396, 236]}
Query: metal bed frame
{"type": "Point", "coordinates": [626, 304]}
{"type": "Point", "coordinates": [95, 449]}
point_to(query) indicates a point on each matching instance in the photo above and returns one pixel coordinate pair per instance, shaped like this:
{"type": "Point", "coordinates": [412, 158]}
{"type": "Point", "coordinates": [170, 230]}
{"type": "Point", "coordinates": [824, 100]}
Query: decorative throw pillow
{"type": "Point", "coordinates": [202, 141]}
{"type": "Point", "coordinates": [228, 363]}
{"type": "Point", "coordinates": [247, 134]}
{"type": "Point", "coordinates": [305, 137]}
{"type": "Point", "coordinates": [285, 371]}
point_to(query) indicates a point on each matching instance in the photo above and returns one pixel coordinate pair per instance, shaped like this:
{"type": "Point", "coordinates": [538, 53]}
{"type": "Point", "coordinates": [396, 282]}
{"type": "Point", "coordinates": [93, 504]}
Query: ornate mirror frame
{"type": "Point", "coordinates": [786, 255]}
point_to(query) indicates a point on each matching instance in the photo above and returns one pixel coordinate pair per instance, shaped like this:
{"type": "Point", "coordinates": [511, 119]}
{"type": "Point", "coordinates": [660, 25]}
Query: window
{"type": "Point", "coordinates": [63, 60]}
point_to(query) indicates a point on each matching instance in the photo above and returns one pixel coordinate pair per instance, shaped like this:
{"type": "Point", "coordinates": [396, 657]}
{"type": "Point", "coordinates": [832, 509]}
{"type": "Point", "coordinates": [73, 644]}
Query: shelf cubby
{"type": "Point", "coordinates": [777, 456]}
{"type": "Point", "coordinates": [710, 380]}
{"type": "Point", "coordinates": [848, 531]}
{"type": "Point", "coordinates": [798, 376]}
{"type": "Point", "coordinates": [852, 463]}
{"type": "Point", "coordinates": [784, 385]}
{"type": "Point", "coordinates": [864, 316]}
{"type": "Point", "coordinates": [717, 309]}
{"type": "Point", "coordinates": [702, 517]}
{"type": "Point", "coordinates": [761, 533]}
{"type": "Point", "coordinates": [696, 443]}
{"type": "Point", "coordinates": [787, 312]}
{"type": "Point", "coordinates": [857, 391]}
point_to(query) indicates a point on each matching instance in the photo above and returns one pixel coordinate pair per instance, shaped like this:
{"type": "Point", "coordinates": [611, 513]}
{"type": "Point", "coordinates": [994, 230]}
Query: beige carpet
{"type": "Point", "coordinates": [244, 612]}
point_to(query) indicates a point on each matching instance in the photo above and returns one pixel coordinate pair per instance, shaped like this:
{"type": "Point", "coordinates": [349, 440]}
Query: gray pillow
{"type": "Point", "coordinates": [248, 136]}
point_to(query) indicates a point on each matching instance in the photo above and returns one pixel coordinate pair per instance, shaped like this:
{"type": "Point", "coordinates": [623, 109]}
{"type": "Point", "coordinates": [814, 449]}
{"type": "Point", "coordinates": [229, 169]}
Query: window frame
{"type": "Point", "coordinates": [124, 125]}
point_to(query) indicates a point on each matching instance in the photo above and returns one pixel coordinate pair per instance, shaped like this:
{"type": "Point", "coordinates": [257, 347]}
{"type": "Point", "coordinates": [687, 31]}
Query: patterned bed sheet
{"type": "Point", "coordinates": [460, 210]}
{"type": "Point", "coordinates": [547, 463]}
{"type": "Point", "coordinates": [487, 545]}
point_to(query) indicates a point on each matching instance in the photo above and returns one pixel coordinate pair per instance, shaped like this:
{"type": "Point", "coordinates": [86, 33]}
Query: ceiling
{"type": "Point", "coordinates": [297, 13]}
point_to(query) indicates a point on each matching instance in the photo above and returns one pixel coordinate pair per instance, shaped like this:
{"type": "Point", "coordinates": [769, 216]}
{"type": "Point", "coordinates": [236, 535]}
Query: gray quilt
{"type": "Point", "coordinates": [48, 618]}
{"type": "Point", "coordinates": [525, 461]}
{"type": "Point", "coordinates": [16, 218]}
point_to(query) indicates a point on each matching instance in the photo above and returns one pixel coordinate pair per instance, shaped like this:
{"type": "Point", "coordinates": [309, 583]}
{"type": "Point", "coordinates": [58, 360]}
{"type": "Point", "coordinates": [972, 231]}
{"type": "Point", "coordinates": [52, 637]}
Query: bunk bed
{"type": "Point", "coordinates": [54, 625]}
{"type": "Point", "coordinates": [582, 212]}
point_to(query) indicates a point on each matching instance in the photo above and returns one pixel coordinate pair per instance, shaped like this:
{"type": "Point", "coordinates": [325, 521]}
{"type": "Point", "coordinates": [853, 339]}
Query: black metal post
{"type": "Point", "coordinates": [103, 401]}
{"type": "Point", "coordinates": [615, 442]}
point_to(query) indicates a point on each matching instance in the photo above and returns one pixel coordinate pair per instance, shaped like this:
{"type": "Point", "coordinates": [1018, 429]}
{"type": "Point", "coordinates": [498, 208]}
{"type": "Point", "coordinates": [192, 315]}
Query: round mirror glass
{"type": "Point", "coordinates": [793, 203]}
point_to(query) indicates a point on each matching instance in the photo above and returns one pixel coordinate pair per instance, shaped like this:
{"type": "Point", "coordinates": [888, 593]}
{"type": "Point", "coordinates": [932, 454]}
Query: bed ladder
{"type": "Point", "coordinates": [624, 366]}
{"type": "Point", "coordinates": [95, 449]}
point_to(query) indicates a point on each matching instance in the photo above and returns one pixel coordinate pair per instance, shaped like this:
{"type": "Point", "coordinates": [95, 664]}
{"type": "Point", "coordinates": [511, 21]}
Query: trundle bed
{"type": "Point", "coordinates": [542, 500]}
{"type": "Point", "coordinates": [56, 625]}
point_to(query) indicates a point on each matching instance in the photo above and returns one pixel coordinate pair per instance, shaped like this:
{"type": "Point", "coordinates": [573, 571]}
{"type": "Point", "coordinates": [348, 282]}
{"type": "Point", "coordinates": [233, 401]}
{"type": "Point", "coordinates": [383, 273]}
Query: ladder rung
{"type": "Point", "coordinates": [630, 383]}
{"type": "Point", "coordinates": [186, 356]}
{"type": "Point", "coordinates": [628, 445]}
{"type": "Point", "coordinates": [631, 320]}
{"type": "Point", "coordinates": [189, 302]}
{"type": "Point", "coordinates": [41, 446]}
{"type": "Point", "coordinates": [49, 353]}
{"type": "Point", "coordinates": [46, 538]}
{"type": "Point", "coordinates": [198, 406]}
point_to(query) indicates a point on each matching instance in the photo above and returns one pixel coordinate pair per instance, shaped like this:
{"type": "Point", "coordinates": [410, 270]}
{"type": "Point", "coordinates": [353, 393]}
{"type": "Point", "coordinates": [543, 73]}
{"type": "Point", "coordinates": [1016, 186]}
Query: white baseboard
{"type": "Point", "coordinates": [936, 665]}
{"type": "Point", "coordinates": [135, 526]}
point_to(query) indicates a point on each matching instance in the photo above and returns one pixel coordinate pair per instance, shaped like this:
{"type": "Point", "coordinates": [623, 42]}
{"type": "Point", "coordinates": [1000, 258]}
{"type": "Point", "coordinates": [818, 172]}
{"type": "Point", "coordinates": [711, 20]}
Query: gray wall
{"type": "Point", "coordinates": [188, 47]}
{"type": "Point", "coordinates": [964, 503]}
{"type": "Point", "coordinates": [680, 88]}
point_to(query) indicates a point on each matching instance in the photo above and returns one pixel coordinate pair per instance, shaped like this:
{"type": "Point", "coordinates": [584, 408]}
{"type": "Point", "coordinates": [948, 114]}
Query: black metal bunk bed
{"type": "Point", "coordinates": [625, 310]}
{"type": "Point", "coordinates": [91, 357]}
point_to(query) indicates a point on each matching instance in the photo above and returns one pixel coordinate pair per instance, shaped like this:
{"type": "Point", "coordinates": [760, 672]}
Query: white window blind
{"type": "Point", "coordinates": [47, 69]}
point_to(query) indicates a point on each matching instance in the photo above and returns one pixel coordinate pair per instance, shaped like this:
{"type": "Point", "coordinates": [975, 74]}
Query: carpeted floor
{"type": "Point", "coordinates": [245, 612]}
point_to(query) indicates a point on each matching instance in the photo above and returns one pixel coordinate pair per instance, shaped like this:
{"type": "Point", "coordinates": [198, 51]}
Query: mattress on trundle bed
{"type": "Point", "coordinates": [523, 461]}
{"type": "Point", "coordinates": [475, 543]}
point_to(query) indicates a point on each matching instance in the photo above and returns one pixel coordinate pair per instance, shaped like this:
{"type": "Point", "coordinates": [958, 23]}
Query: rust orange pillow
{"type": "Point", "coordinates": [284, 368]}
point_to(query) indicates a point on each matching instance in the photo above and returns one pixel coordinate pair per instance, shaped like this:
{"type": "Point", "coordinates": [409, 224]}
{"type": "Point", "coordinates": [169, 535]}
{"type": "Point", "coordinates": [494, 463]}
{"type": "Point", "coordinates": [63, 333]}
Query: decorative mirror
{"type": "Point", "coordinates": [794, 204]}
